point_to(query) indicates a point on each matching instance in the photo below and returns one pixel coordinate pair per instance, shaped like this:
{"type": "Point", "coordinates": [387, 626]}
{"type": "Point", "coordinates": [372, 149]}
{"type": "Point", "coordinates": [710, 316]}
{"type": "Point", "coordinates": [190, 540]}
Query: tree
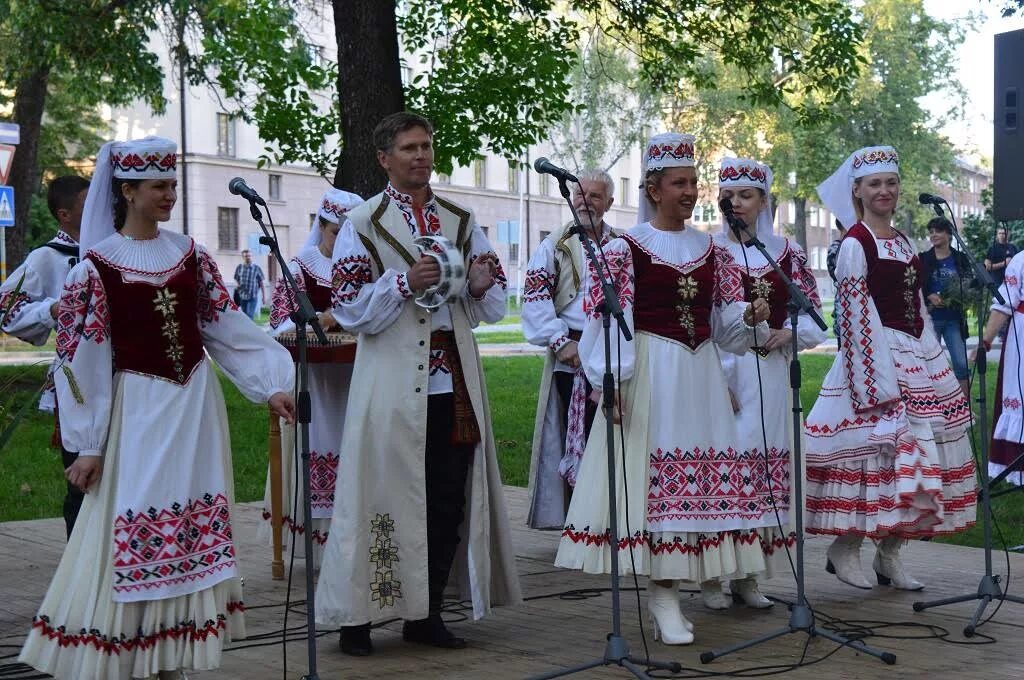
{"type": "Point", "coordinates": [905, 54]}
{"type": "Point", "coordinates": [65, 57]}
{"type": "Point", "coordinates": [497, 72]}
{"type": "Point", "coordinates": [94, 50]}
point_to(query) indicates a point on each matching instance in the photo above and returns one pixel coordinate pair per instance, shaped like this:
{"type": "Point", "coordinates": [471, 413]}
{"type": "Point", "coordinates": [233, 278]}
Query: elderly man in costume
{"type": "Point", "coordinates": [419, 489]}
{"type": "Point", "coordinates": [553, 318]}
{"type": "Point", "coordinates": [328, 382]}
{"type": "Point", "coordinates": [29, 298]}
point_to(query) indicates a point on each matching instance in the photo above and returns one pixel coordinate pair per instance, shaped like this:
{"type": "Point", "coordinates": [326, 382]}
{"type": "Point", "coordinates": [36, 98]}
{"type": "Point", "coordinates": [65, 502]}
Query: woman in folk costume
{"type": "Point", "coordinates": [690, 515]}
{"type": "Point", "coordinates": [328, 382]}
{"type": "Point", "coordinates": [149, 582]}
{"type": "Point", "coordinates": [887, 449]}
{"type": "Point", "coordinates": [763, 423]}
{"type": "Point", "coordinates": [1008, 427]}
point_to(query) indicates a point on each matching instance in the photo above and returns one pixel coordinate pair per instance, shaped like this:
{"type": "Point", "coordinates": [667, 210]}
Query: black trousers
{"type": "Point", "coordinates": [446, 469]}
{"type": "Point", "coordinates": [74, 496]}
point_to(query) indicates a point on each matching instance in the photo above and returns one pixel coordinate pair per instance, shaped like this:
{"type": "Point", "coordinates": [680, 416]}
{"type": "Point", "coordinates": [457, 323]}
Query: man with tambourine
{"type": "Point", "coordinates": [419, 488]}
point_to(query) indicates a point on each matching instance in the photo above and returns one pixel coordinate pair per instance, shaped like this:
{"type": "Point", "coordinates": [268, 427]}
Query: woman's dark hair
{"type": "Point", "coordinates": [940, 224]}
{"type": "Point", "coordinates": [120, 202]}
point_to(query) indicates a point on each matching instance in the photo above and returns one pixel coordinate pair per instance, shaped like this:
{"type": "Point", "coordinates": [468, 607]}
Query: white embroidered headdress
{"type": "Point", "coordinates": [147, 158]}
{"type": "Point", "coordinates": [666, 150]}
{"type": "Point", "coordinates": [333, 206]}
{"type": "Point", "coordinates": [836, 192]}
{"type": "Point", "coordinates": [738, 173]}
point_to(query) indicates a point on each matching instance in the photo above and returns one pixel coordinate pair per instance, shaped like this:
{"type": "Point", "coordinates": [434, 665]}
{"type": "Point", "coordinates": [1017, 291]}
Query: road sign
{"type": "Point", "coordinates": [6, 206]}
{"type": "Point", "coordinates": [10, 133]}
{"type": "Point", "coordinates": [6, 159]}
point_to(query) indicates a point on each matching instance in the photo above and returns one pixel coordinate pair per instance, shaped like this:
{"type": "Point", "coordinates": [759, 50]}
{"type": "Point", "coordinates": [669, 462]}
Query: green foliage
{"type": "Point", "coordinates": [601, 127]}
{"type": "Point", "coordinates": [257, 54]}
{"type": "Point", "coordinates": [99, 51]}
{"type": "Point", "coordinates": [795, 53]}
{"type": "Point", "coordinates": [495, 73]}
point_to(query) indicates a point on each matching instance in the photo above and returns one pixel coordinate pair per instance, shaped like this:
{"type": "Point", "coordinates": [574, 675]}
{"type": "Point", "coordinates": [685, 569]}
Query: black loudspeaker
{"type": "Point", "coordinates": [1008, 112]}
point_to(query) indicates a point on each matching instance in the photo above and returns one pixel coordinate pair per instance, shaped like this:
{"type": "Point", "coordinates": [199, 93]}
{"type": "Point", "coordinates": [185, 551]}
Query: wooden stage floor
{"type": "Point", "coordinates": [546, 633]}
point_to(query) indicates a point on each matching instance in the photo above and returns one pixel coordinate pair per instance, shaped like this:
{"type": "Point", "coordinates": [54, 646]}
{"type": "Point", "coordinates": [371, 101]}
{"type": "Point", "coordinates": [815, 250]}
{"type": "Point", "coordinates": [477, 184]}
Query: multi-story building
{"type": "Point", "coordinates": [516, 207]}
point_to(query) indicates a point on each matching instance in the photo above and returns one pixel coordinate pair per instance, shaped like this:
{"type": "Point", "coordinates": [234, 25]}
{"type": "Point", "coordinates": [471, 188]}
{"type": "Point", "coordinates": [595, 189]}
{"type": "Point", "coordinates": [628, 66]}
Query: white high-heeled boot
{"type": "Point", "coordinates": [745, 591]}
{"type": "Point", "coordinates": [844, 561]}
{"type": "Point", "coordinates": [714, 598]}
{"type": "Point", "coordinates": [889, 568]}
{"type": "Point", "coordinates": [666, 617]}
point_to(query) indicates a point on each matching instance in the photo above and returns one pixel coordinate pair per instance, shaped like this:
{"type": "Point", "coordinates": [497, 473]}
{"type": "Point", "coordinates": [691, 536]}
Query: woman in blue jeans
{"type": "Point", "coordinates": [945, 294]}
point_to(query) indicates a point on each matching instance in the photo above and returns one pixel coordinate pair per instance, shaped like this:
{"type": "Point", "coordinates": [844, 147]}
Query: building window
{"type": "Point", "coordinates": [406, 75]}
{"type": "Point", "coordinates": [225, 135]}
{"type": "Point", "coordinates": [227, 229]}
{"type": "Point", "coordinates": [513, 253]}
{"type": "Point", "coordinates": [480, 172]}
{"type": "Point", "coordinates": [544, 187]}
{"type": "Point", "coordinates": [274, 190]}
{"type": "Point", "coordinates": [315, 54]}
{"type": "Point", "coordinates": [513, 178]}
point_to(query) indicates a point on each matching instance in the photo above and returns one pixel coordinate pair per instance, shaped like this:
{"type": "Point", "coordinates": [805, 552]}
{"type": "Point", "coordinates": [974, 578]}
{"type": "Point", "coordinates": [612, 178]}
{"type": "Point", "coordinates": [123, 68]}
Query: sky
{"type": "Point", "coordinates": [973, 135]}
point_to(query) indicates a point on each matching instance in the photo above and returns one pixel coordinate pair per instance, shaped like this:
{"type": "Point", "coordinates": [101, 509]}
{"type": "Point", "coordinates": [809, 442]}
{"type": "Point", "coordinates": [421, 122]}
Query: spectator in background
{"type": "Point", "coordinates": [999, 255]}
{"type": "Point", "coordinates": [948, 282]}
{"type": "Point", "coordinates": [249, 278]}
{"type": "Point", "coordinates": [833, 251]}
{"type": "Point", "coordinates": [996, 260]}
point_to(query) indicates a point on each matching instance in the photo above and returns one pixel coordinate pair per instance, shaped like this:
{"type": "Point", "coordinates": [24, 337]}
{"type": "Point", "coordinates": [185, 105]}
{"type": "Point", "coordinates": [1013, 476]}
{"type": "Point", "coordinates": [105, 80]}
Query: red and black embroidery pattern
{"type": "Point", "coordinates": [11, 305]}
{"type": "Point", "coordinates": [348, 276]}
{"type": "Point", "coordinates": [693, 485]}
{"type": "Point", "coordinates": [538, 286]}
{"type": "Point", "coordinates": [188, 630]}
{"type": "Point", "coordinates": [84, 313]}
{"type": "Point", "coordinates": [161, 547]}
{"type": "Point", "coordinates": [214, 298]}
{"type": "Point", "coordinates": [323, 477]}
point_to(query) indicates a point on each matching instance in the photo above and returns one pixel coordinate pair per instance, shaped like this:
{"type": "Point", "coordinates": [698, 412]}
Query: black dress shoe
{"type": "Point", "coordinates": [431, 631]}
{"type": "Point", "coordinates": [355, 640]}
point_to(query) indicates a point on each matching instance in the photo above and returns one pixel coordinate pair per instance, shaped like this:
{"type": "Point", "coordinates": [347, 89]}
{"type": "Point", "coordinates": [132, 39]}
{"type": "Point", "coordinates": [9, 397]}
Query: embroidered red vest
{"type": "Point", "coordinates": [154, 330]}
{"type": "Point", "coordinates": [672, 304]}
{"type": "Point", "coordinates": [894, 286]}
{"type": "Point", "coordinates": [772, 289]}
{"type": "Point", "coordinates": [319, 295]}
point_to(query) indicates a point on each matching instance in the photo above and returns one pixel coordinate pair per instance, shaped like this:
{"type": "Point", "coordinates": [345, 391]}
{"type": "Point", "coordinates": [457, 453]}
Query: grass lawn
{"type": "Point", "coordinates": [31, 485]}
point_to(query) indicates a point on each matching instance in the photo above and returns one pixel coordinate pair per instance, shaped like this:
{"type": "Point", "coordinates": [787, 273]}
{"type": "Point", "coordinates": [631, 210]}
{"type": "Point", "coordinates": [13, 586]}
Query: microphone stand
{"type": "Point", "coordinates": [616, 650]}
{"type": "Point", "coordinates": [305, 314]}
{"type": "Point", "coordinates": [988, 588]}
{"type": "Point", "coordinates": [801, 616]}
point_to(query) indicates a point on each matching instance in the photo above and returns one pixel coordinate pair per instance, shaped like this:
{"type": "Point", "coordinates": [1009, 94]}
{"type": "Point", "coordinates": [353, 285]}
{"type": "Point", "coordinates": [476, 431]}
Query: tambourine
{"type": "Point", "coordinates": [453, 271]}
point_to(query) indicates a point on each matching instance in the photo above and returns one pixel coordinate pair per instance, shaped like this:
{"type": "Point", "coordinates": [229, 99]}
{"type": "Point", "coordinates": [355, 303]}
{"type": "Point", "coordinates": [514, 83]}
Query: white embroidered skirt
{"type": "Point", "coordinates": [80, 632]}
{"type": "Point", "coordinates": [904, 469]}
{"type": "Point", "coordinates": [693, 505]}
{"type": "Point", "coordinates": [328, 393]}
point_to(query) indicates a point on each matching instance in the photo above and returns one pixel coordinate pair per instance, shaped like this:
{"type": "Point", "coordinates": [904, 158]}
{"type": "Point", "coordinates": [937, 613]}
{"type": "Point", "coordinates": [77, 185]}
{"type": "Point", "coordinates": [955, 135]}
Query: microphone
{"type": "Point", "coordinates": [238, 187]}
{"type": "Point", "coordinates": [545, 167]}
{"type": "Point", "coordinates": [930, 199]}
{"type": "Point", "coordinates": [737, 225]}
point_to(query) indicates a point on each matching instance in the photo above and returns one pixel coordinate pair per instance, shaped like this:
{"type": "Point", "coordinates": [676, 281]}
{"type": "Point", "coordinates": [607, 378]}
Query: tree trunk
{"type": "Point", "coordinates": [29, 102]}
{"type": "Point", "coordinates": [369, 87]}
{"type": "Point", "coordinates": [800, 221]}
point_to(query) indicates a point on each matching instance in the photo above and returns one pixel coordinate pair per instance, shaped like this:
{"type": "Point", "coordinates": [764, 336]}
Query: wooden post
{"type": "Point", "coordinates": [276, 488]}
